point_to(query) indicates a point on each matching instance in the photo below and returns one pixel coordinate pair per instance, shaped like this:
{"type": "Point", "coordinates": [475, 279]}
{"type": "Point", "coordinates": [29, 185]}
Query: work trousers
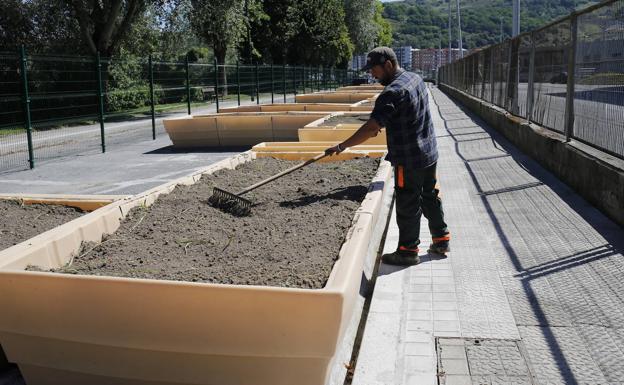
{"type": "Point", "coordinates": [417, 194]}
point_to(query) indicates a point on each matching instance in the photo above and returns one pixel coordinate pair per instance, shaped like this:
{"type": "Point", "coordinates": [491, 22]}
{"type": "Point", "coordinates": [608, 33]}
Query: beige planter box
{"type": "Point", "coordinates": [83, 202]}
{"type": "Point", "coordinates": [367, 87]}
{"type": "Point", "coordinates": [236, 129]}
{"type": "Point", "coordinates": [364, 105]}
{"type": "Point", "coordinates": [322, 130]}
{"type": "Point", "coordinates": [334, 97]}
{"type": "Point", "coordinates": [337, 134]}
{"type": "Point", "coordinates": [283, 107]}
{"type": "Point", "coordinates": [73, 329]}
{"type": "Point", "coordinates": [307, 150]}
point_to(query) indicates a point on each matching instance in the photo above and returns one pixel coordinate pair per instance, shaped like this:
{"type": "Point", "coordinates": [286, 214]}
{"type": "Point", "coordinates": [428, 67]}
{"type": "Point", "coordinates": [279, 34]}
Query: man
{"type": "Point", "coordinates": [403, 109]}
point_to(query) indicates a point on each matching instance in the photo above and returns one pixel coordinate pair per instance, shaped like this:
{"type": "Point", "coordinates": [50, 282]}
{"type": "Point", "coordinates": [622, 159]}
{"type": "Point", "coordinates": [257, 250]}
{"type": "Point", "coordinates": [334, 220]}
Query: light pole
{"type": "Point", "coordinates": [460, 45]}
{"type": "Point", "coordinates": [516, 18]}
{"type": "Point", "coordinates": [449, 32]}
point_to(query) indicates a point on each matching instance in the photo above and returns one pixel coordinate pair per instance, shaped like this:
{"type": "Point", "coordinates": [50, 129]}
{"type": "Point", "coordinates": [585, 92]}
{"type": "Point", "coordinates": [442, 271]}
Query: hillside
{"type": "Point", "coordinates": [417, 22]}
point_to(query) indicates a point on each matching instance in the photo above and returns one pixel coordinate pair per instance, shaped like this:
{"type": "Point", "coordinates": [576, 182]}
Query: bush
{"type": "Point", "coordinates": [127, 86]}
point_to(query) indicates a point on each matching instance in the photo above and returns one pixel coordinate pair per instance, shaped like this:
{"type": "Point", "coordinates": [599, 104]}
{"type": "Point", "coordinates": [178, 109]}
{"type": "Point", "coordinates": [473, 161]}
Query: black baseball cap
{"type": "Point", "coordinates": [378, 56]}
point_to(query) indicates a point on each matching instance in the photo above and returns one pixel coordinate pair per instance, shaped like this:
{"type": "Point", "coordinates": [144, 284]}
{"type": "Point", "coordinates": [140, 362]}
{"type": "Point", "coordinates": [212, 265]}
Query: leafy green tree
{"type": "Point", "coordinates": [383, 29]}
{"type": "Point", "coordinates": [43, 26]}
{"type": "Point", "coordinates": [269, 31]}
{"type": "Point", "coordinates": [360, 20]}
{"type": "Point", "coordinates": [220, 24]}
{"type": "Point", "coordinates": [317, 33]}
{"type": "Point", "coordinates": [105, 23]}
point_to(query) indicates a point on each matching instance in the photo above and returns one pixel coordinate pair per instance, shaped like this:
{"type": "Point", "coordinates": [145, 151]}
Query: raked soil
{"type": "Point", "coordinates": [292, 238]}
{"type": "Point", "coordinates": [21, 222]}
{"type": "Point", "coordinates": [347, 119]}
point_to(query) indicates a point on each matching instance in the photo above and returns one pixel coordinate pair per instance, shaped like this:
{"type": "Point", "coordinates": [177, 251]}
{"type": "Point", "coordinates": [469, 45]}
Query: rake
{"type": "Point", "coordinates": [239, 206]}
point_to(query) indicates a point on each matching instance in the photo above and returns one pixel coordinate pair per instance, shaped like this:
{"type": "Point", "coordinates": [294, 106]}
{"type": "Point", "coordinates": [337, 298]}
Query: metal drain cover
{"type": "Point", "coordinates": [464, 361]}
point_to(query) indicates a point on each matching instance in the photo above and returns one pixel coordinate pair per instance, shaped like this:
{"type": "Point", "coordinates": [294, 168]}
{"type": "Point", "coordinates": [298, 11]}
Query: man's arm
{"type": "Point", "coordinates": [368, 130]}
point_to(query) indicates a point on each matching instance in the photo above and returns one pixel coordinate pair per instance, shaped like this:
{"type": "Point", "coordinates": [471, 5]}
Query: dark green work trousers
{"type": "Point", "coordinates": [416, 194]}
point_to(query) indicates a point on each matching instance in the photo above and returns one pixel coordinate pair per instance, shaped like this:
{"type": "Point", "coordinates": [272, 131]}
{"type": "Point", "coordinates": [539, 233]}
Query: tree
{"type": "Point", "coordinates": [269, 31]}
{"type": "Point", "coordinates": [41, 25]}
{"type": "Point", "coordinates": [360, 20]}
{"type": "Point", "coordinates": [384, 30]}
{"type": "Point", "coordinates": [317, 33]}
{"type": "Point", "coordinates": [105, 23]}
{"type": "Point", "coordinates": [220, 23]}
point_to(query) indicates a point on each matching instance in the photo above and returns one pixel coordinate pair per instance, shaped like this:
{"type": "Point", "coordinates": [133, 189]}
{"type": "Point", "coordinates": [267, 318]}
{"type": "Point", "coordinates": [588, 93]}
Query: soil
{"type": "Point", "coordinates": [292, 238]}
{"type": "Point", "coordinates": [347, 119]}
{"type": "Point", "coordinates": [21, 222]}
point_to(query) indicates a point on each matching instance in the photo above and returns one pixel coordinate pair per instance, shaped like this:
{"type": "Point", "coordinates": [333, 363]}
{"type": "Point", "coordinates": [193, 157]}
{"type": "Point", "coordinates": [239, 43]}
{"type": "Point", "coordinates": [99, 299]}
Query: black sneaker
{"type": "Point", "coordinates": [403, 257]}
{"type": "Point", "coordinates": [440, 245]}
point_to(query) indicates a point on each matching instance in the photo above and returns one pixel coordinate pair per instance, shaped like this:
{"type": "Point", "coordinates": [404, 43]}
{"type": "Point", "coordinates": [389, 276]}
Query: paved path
{"type": "Point", "coordinates": [532, 291]}
{"type": "Point", "coordinates": [83, 139]}
{"type": "Point", "coordinates": [127, 169]}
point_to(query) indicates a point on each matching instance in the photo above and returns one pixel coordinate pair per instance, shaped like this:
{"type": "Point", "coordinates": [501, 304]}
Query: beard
{"type": "Point", "coordinates": [385, 79]}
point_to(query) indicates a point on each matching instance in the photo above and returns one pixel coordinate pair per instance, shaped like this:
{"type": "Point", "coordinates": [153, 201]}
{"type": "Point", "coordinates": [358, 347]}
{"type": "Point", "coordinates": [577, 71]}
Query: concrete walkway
{"type": "Point", "coordinates": [532, 292]}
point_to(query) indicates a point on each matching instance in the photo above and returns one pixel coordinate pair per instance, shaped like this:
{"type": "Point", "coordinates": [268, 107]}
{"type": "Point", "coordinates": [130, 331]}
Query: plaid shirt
{"type": "Point", "coordinates": [403, 109]}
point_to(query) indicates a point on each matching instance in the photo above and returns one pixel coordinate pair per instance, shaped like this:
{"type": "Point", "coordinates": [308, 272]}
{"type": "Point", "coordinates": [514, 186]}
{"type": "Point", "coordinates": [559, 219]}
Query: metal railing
{"type": "Point", "coordinates": [54, 106]}
{"type": "Point", "coordinates": [567, 76]}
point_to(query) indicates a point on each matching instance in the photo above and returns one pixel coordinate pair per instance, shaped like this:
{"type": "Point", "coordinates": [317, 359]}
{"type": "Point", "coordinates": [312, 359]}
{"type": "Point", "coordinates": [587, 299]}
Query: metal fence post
{"type": "Point", "coordinates": [492, 81]}
{"type": "Point", "coordinates": [569, 109]}
{"type": "Point", "coordinates": [531, 84]}
{"type": "Point", "coordinates": [295, 80]}
{"type": "Point", "coordinates": [238, 87]}
{"type": "Point", "coordinates": [100, 91]}
{"type": "Point", "coordinates": [26, 105]}
{"type": "Point", "coordinates": [188, 86]}
{"type": "Point", "coordinates": [257, 84]}
{"type": "Point", "coordinates": [151, 90]}
{"type": "Point", "coordinates": [216, 82]}
{"type": "Point", "coordinates": [319, 71]}
{"type": "Point", "coordinates": [506, 95]}
{"type": "Point", "coordinates": [331, 70]}
{"type": "Point", "coordinates": [284, 81]}
{"type": "Point", "coordinates": [272, 85]}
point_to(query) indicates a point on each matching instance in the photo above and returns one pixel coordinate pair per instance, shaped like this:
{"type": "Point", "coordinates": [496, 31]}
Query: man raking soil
{"type": "Point", "coordinates": [403, 109]}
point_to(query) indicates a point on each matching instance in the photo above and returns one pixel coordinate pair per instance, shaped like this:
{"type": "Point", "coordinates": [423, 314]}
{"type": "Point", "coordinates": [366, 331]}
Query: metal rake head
{"type": "Point", "coordinates": [230, 203]}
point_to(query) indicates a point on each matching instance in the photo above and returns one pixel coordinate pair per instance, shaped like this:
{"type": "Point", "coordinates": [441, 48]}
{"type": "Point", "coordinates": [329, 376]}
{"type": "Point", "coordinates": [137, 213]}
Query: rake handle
{"type": "Point", "coordinates": [281, 174]}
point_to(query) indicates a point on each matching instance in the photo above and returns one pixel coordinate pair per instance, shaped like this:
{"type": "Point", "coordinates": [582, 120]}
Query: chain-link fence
{"type": "Point", "coordinates": [567, 76]}
{"type": "Point", "coordinates": [54, 106]}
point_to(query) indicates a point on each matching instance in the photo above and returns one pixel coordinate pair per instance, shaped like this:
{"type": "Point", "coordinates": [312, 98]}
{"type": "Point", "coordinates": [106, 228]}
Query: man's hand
{"type": "Point", "coordinates": [337, 149]}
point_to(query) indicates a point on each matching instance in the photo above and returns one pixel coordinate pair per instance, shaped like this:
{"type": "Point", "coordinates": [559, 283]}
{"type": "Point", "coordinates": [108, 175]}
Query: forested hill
{"type": "Point", "coordinates": [417, 22]}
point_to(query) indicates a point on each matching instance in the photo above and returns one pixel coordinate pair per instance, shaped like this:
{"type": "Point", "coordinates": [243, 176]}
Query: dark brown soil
{"type": "Point", "coordinates": [347, 119]}
{"type": "Point", "coordinates": [21, 222]}
{"type": "Point", "coordinates": [292, 238]}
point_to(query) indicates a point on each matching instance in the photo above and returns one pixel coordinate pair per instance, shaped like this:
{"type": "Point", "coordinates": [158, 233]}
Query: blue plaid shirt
{"type": "Point", "coordinates": [403, 109]}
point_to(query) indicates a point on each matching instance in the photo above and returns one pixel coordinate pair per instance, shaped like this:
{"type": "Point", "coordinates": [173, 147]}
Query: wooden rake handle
{"type": "Point", "coordinates": [281, 174]}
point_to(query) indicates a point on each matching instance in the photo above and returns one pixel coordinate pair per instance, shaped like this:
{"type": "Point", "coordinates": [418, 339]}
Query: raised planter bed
{"type": "Point", "coordinates": [236, 129]}
{"type": "Point", "coordinates": [367, 87]}
{"type": "Point", "coordinates": [334, 97]}
{"type": "Point", "coordinates": [30, 218]}
{"type": "Point", "coordinates": [337, 127]}
{"type": "Point", "coordinates": [85, 329]}
{"type": "Point", "coordinates": [307, 150]}
{"type": "Point", "coordinates": [283, 107]}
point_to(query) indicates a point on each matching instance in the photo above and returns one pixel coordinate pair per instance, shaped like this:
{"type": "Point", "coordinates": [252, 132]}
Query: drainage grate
{"type": "Point", "coordinates": [468, 361]}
